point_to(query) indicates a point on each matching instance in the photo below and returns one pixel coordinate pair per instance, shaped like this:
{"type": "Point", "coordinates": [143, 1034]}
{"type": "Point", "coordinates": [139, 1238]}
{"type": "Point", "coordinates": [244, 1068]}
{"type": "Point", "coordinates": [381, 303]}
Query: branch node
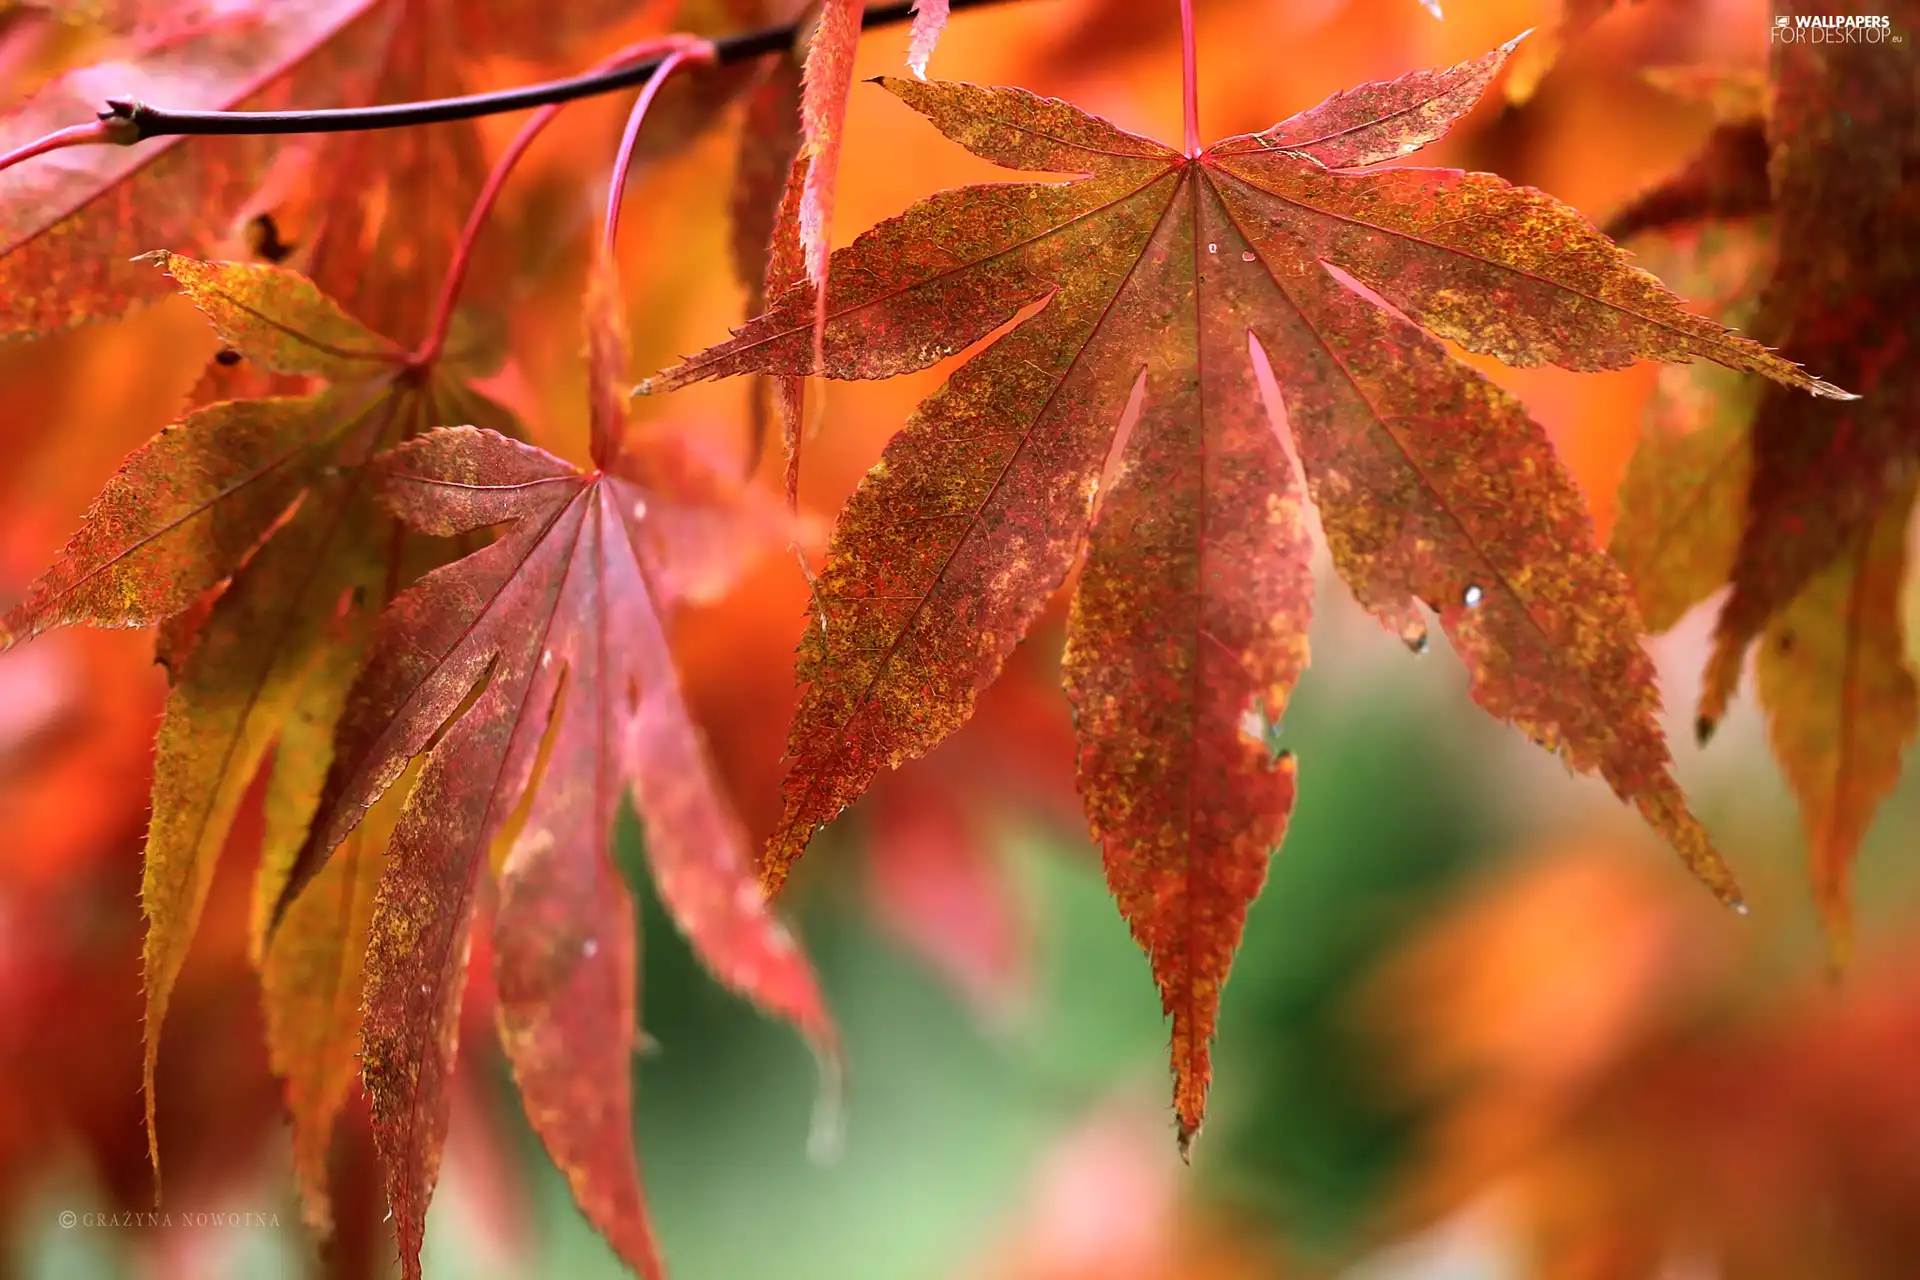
{"type": "Point", "coordinates": [121, 123]}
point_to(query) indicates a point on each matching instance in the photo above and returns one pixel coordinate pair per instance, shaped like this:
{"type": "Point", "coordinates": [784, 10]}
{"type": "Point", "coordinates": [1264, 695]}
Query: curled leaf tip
{"type": "Point", "coordinates": [1703, 728]}
{"type": "Point", "coordinates": [1186, 1137]}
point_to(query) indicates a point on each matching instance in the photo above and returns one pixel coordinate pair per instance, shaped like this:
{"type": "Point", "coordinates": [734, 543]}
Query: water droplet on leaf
{"type": "Point", "coordinates": [1248, 256]}
{"type": "Point", "coordinates": [1213, 248]}
{"type": "Point", "coordinates": [1472, 596]}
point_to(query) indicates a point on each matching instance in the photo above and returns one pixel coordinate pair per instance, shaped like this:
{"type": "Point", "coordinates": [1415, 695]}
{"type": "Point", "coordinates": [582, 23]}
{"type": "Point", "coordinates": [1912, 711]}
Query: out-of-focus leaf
{"type": "Point", "coordinates": [1636, 1110]}
{"type": "Point", "coordinates": [1817, 481]}
{"type": "Point", "coordinates": [1841, 704]}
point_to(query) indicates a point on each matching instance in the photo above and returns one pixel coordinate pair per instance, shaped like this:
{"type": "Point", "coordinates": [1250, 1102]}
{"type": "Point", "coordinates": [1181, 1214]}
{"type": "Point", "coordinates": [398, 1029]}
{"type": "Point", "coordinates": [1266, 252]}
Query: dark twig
{"type": "Point", "coordinates": [137, 121]}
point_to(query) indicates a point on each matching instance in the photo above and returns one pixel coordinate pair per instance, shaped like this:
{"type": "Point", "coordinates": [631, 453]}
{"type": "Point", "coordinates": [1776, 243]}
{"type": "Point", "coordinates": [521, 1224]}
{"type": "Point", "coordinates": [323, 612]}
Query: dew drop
{"type": "Point", "coordinates": [644, 387]}
{"type": "Point", "coordinates": [639, 509]}
{"type": "Point", "coordinates": [1472, 596]}
{"type": "Point", "coordinates": [590, 948]}
{"type": "Point", "coordinates": [546, 658]}
{"type": "Point", "coordinates": [1213, 248]}
{"type": "Point", "coordinates": [1248, 256]}
{"type": "Point", "coordinates": [1419, 643]}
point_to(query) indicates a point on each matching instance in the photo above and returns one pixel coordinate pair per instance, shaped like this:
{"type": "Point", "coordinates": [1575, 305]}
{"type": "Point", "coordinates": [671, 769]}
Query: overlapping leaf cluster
{"type": "Point", "coordinates": [1165, 285]}
{"type": "Point", "coordinates": [269, 535]}
{"type": "Point", "coordinates": [531, 680]}
{"type": "Point", "coordinates": [448, 648]}
{"type": "Point", "coordinates": [1802, 505]}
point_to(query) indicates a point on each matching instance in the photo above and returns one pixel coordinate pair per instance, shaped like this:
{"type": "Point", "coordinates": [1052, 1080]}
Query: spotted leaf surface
{"type": "Point", "coordinates": [259, 511]}
{"type": "Point", "coordinates": [548, 645]}
{"type": "Point", "coordinates": [1157, 286]}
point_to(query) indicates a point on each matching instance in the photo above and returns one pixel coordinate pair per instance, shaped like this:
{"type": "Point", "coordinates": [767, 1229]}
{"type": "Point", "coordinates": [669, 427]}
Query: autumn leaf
{"type": "Point", "coordinates": [68, 229]}
{"type": "Point", "coordinates": [1685, 491]}
{"type": "Point", "coordinates": [769, 144]}
{"type": "Point", "coordinates": [1791, 504]}
{"type": "Point", "coordinates": [929, 20]}
{"type": "Point", "coordinates": [1841, 702]}
{"type": "Point", "coordinates": [392, 197]}
{"type": "Point", "coordinates": [311, 986]}
{"type": "Point", "coordinates": [537, 672]}
{"type": "Point", "coordinates": [1727, 178]}
{"type": "Point", "coordinates": [381, 215]}
{"type": "Point", "coordinates": [769, 175]}
{"type": "Point", "coordinates": [828, 79]}
{"type": "Point", "coordinates": [1184, 276]}
{"type": "Point", "coordinates": [268, 494]}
